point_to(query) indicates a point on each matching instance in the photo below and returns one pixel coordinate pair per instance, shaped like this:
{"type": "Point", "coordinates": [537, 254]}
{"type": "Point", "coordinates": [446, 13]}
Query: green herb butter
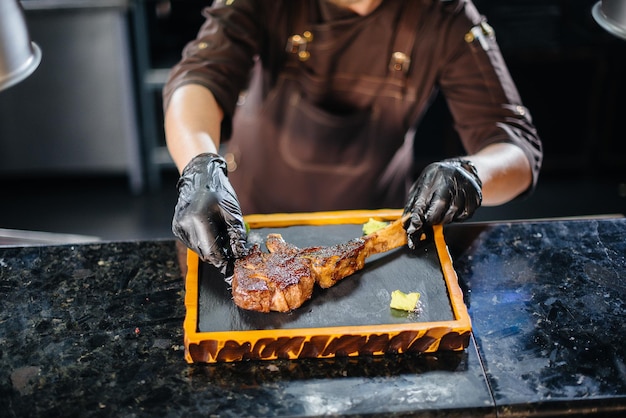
{"type": "Point", "coordinates": [373, 225]}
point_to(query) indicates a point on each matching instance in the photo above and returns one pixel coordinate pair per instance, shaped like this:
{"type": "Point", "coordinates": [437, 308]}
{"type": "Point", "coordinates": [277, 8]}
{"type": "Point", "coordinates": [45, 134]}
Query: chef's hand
{"type": "Point", "coordinates": [208, 217]}
{"type": "Point", "coordinates": [445, 191]}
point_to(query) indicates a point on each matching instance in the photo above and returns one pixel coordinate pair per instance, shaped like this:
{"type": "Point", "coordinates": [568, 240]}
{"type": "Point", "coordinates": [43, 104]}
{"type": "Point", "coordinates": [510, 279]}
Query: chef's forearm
{"type": "Point", "coordinates": [504, 171]}
{"type": "Point", "coordinates": [192, 124]}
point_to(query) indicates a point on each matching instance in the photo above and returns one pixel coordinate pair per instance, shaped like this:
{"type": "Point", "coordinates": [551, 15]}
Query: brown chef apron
{"type": "Point", "coordinates": [323, 138]}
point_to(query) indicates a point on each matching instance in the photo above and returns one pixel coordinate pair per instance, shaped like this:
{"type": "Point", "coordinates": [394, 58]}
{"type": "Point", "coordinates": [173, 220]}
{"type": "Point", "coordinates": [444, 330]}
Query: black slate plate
{"type": "Point", "coordinates": [360, 299]}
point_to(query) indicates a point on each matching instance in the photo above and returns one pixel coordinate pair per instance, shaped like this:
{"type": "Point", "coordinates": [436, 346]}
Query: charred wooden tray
{"type": "Point", "coordinates": [352, 318]}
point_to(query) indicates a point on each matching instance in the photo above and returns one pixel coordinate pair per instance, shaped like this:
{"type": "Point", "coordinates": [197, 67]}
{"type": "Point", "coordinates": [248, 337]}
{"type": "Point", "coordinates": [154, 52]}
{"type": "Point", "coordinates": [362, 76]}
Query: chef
{"type": "Point", "coordinates": [316, 102]}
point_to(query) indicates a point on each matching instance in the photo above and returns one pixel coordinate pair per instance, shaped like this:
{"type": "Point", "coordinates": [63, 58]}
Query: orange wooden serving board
{"type": "Point", "coordinates": [336, 321]}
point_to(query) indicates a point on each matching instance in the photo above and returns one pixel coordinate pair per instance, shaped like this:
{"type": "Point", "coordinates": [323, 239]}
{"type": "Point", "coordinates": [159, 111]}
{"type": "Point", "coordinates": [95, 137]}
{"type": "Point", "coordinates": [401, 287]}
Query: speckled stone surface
{"type": "Point", "coordinates": [96, 330]}
{"type": "Point", "coordinates": [548, 305]}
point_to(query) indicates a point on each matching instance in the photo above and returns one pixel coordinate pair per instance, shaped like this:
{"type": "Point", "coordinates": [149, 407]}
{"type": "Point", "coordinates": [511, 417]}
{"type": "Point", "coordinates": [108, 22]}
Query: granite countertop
{"type": "Point", "coordinates": [547, 302]}
{"type": "Point", "coordinates": [96, 330]}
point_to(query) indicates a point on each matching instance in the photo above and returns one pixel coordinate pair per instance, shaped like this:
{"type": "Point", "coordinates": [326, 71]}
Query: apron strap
{"type": "Point", "coordinates": [394, 181]}
{"type": "Point", "coordinates": [407, 29]}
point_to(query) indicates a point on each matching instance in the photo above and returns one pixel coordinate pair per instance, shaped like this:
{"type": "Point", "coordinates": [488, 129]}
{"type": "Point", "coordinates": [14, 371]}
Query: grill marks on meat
{"type": "Point", "coordinates": [283, 278]}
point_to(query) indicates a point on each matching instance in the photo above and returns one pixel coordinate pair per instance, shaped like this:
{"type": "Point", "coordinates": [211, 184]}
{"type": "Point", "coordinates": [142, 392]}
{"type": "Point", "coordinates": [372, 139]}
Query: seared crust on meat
{"type": "Point", "coordinates": [276, 281]}
{"type": "Point", "coordinates": [283, 279]}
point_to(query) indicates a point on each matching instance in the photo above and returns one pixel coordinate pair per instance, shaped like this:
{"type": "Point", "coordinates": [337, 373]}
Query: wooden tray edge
{"type": "Point", "coordinates": [228, 346]}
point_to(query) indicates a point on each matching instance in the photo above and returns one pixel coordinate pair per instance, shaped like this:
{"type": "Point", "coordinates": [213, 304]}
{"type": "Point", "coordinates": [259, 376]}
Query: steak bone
{"type": "Point", "coordinates": [283, 278]}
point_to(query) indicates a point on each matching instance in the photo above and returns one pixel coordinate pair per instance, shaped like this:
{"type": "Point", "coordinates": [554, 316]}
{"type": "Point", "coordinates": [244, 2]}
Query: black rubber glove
{"type": "Point", "coordinates": [208, 217]}
{"type": "Point", "coordinates": [445, 191]}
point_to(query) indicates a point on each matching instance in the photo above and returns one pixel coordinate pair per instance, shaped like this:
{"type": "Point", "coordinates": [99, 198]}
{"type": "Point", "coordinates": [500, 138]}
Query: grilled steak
{"type": "Point", "coordinates": [283, 278]}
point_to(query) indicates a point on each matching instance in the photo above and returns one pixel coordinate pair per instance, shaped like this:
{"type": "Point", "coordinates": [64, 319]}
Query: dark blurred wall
{"type": "Point", "coordinates": [570, 74]}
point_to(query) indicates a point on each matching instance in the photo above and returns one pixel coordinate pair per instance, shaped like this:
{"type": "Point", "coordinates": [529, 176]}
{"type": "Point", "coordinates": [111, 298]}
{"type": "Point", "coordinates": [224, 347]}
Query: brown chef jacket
{"type": "Point", "coordinates": [323, 124]}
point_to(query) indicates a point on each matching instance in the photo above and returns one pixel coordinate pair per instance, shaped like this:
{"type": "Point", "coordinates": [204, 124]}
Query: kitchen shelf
{"type": "Point", "coordinates": [161, 28]}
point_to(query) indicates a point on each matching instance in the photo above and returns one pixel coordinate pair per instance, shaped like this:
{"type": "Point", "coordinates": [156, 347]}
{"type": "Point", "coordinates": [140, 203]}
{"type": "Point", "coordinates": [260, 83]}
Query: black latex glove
{"type": "Point", "coordinates": [208, 217]}
{"type": "Point", "coordinates": [445, 191]}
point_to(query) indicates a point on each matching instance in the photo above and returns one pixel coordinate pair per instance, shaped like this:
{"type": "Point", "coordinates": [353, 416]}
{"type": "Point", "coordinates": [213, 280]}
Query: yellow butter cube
{"type": "Point", "coordinates": [404, 301]}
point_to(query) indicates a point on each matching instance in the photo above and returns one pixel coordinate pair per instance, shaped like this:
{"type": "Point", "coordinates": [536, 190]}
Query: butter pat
{"type": "Point", "coordinates": [373, 225]}
{"type": "Point", "coordinates": [404, 301]}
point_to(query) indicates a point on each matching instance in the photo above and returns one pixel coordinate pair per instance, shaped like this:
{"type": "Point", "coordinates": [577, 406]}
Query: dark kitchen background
{"type": "Point", "coordinates": [81, 141]}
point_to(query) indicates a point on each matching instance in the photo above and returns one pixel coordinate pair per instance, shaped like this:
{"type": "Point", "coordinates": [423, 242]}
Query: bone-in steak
{"type": "Point", "coordinates": [283, 278]}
